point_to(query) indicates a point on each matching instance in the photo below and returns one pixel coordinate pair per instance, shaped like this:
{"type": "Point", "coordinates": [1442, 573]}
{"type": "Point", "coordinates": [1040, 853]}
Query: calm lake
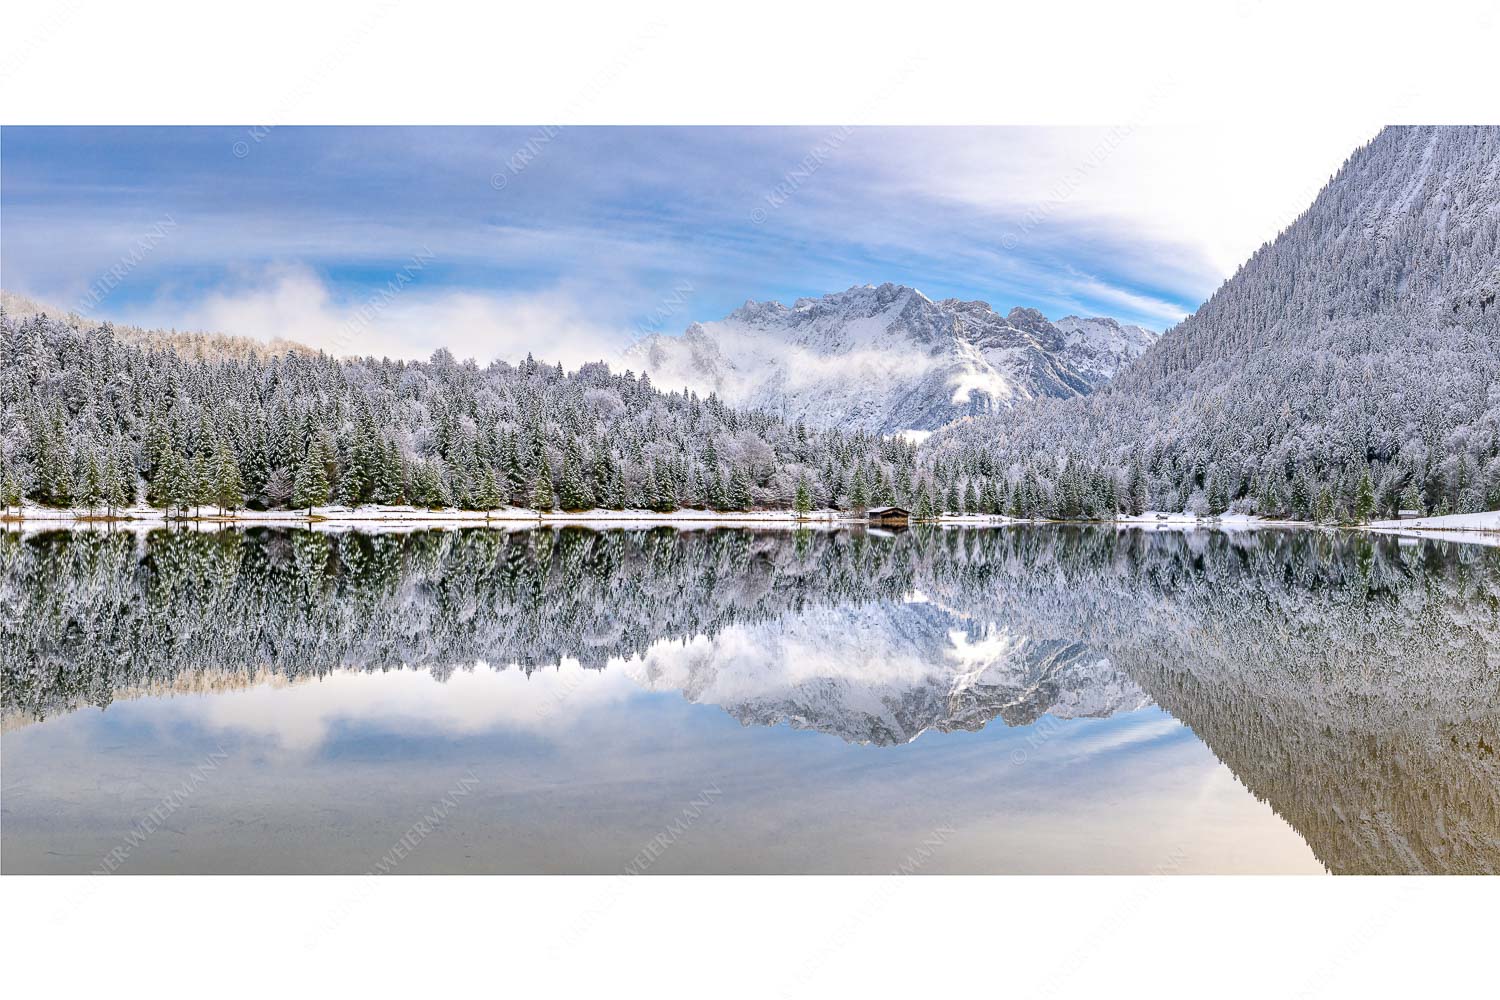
{"type": "Point", "coordinates": [1023, 699]}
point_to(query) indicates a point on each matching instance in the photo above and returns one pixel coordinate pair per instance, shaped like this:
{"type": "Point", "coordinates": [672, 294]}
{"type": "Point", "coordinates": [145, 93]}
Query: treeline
{"type": "Point", "coordinates": [89, 421]}
{"type": "Point", "coordinates": [1077, 489]}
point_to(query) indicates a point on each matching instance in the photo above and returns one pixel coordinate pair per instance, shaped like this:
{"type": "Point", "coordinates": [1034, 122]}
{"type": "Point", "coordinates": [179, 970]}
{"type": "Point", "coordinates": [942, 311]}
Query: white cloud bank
{"type": "Point", "coordinates": [397, 320]}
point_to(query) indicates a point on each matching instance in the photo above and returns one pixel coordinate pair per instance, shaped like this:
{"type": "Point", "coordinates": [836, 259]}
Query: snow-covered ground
{"type": "Point", "coordinates": [1456, 527]}
{"type": "Point", "coordinates": [404, 513]}
{"type": "Point", "coordinates": [1479, 529]}
{"type": "Point", "coordinates": [1486, 521]}
{"type": "Point", "coordinates": [1224, 522]}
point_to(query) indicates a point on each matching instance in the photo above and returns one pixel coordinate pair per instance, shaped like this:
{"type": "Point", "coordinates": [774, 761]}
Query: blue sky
{"type": "Point", "coordinates": [571, 241]}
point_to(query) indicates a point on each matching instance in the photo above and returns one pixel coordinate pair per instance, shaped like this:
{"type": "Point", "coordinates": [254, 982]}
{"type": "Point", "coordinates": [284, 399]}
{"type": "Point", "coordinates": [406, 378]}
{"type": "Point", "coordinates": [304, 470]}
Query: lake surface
{"type": "Point", "coordinates": [1023, 699]}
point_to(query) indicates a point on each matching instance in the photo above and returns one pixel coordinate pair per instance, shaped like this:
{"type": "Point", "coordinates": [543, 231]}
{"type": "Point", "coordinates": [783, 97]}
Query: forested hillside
{"type": "Point", "coordinates": [89, 420]}
{"type": "Point", "coordinates": [1351, 367]}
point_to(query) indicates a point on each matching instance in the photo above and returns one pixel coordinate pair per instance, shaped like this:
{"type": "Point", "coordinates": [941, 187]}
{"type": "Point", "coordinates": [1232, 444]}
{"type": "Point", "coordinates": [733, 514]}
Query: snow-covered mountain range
{"type": "Point", "coordinates": [887, 358]}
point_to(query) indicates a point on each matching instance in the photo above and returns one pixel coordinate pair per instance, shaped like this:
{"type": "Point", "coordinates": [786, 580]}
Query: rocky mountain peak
{"type": "Point", "coordinates": [887, 358]}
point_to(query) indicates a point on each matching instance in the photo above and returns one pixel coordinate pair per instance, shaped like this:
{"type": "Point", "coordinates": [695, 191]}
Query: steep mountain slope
{"type": "Point", "coordinates": [888, 358]}
{"type": "Point", "coordinates": [1365, 338]}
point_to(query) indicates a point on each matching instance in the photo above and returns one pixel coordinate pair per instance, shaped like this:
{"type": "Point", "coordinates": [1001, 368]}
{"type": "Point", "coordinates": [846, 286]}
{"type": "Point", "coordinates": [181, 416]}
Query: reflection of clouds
{"type": "Point", "coordinates": [1092, 743]}
{"type": "Point", "coordinates": [300, 716]}
{"type": "Point", "coordinates": [745, 663]}
{"type": "Point", "coordinates": [995, 645]}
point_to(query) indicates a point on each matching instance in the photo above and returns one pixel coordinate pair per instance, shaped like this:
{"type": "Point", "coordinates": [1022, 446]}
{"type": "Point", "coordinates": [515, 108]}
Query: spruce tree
{"type": "Point", "coordinates": [1218, 502]}
{"type": "Point", "coordinates": [201, 482]}
{"type": "Point", "coordinates": [803, 503]}
{"type": "Point", "coordinates": [125, 477]}
{"type": "Point", "coordinates": [645, 496]}
{"type": "Point", "coordinates": [11, 493]}
{"type": "Point", "coordinates": [229, 486]}
{"type": "Point", "coordinates": [739, 490]}
{"type": "Point", "coordinates": [166, 488]}
{"type": "Point", "coordinates": [1364, 499]}
{"type": "Point", "coordinates": [715, 495]}
{"type": "Point", "coordinates": [311, 487]}
{"type": "Point", "coordinates": [923, 509]}
{"type": "Point", "coordinates": [573, 493]}
{"type": "Point", "coordinates": [114, 486]}
{"type": "Point", "coordinates": [1135, 490]}
{"type": "Point", "coordinates": [1323, 507]}
{"type": "Point", "coordinates": [666, 490]}
{"type": "Point", "coordinates": [1301, 500]}
{"type": "Point", "coordinates": [91, 492]}
{"type": "Point", "coordinates": [541, 490]}
{"type": "Point", "coordinates": [488, 496]}
{"type": "Point", "coordinates": [1411, 498]}
{"type": "Point", "coordinates": [603, 479]}
{"type": "Point", "coordinates": [859, 493]}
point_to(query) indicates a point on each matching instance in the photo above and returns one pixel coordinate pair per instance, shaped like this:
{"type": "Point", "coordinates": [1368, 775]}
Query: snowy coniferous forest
{"type": "Point", "coordinates": [90, 420]}
{"type": "Point", "coordinates": [1350, 368]}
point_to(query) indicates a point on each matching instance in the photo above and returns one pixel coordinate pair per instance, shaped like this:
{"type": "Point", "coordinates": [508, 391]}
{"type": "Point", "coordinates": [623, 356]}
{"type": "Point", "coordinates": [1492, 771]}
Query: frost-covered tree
{"type": "Point", "coordinates": [803, 503]}
{"type": "Point", "coordinates": [541, 491]}
{"type": "Point", "coordinates": [311, 488]}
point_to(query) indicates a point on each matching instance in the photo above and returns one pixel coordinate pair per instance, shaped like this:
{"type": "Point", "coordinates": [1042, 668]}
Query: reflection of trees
{"type": "Point", "coordinates": [1350, 681]}
{"type": "Point", "coordinates": [89, 614]}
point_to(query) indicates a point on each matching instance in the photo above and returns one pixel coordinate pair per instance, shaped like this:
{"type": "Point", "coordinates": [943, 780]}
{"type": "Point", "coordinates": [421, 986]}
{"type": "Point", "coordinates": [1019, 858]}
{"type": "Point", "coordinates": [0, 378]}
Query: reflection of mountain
{"type": "Point", "coordinates": [1352, 685]}
{"type": "Point", "coordinates": [1350, 682]}
{"type": "Point", "coordinates": [1380, 773]}
{"type": "Point", "coordinates": [885, 673]}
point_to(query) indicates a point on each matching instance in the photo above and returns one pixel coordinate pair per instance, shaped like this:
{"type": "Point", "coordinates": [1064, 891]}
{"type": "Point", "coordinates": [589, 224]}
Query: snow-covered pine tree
{"type": "Point", "coordinates": [803, 503]}
{"type": "Point", "coordinates": [541, 491]}
{"type": "Point", "coordinates": [573, 493]}
{"type": "Point", "coordinates": [923, 509]}
{"type": "Point", "coordinates": [1364, 501]}
{"type": "Point", "coordinates": [739, 490]}
{"type": "Point", "coordinates": [11, 490]}
{"type": "Point", "coordinates": [311, 487]}
{"type": "Point", "coordinates": [859, 491]}
{"type": "Point", "coordinates": [91, 493]}
{"type": "Point", "coordinates": [229, 486]}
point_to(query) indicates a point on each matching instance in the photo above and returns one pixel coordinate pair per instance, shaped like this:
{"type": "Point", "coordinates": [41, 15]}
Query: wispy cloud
{"type": "Point", "coordinates": [295, 303]}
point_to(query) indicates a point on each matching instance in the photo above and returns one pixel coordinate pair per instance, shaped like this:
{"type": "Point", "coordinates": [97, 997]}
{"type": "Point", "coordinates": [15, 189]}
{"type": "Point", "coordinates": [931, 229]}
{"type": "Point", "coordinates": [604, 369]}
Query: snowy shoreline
{"type": "Point", "coordinates": [1477, 529]}
{"type": "Point", "coordinates": [1483, 528]}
